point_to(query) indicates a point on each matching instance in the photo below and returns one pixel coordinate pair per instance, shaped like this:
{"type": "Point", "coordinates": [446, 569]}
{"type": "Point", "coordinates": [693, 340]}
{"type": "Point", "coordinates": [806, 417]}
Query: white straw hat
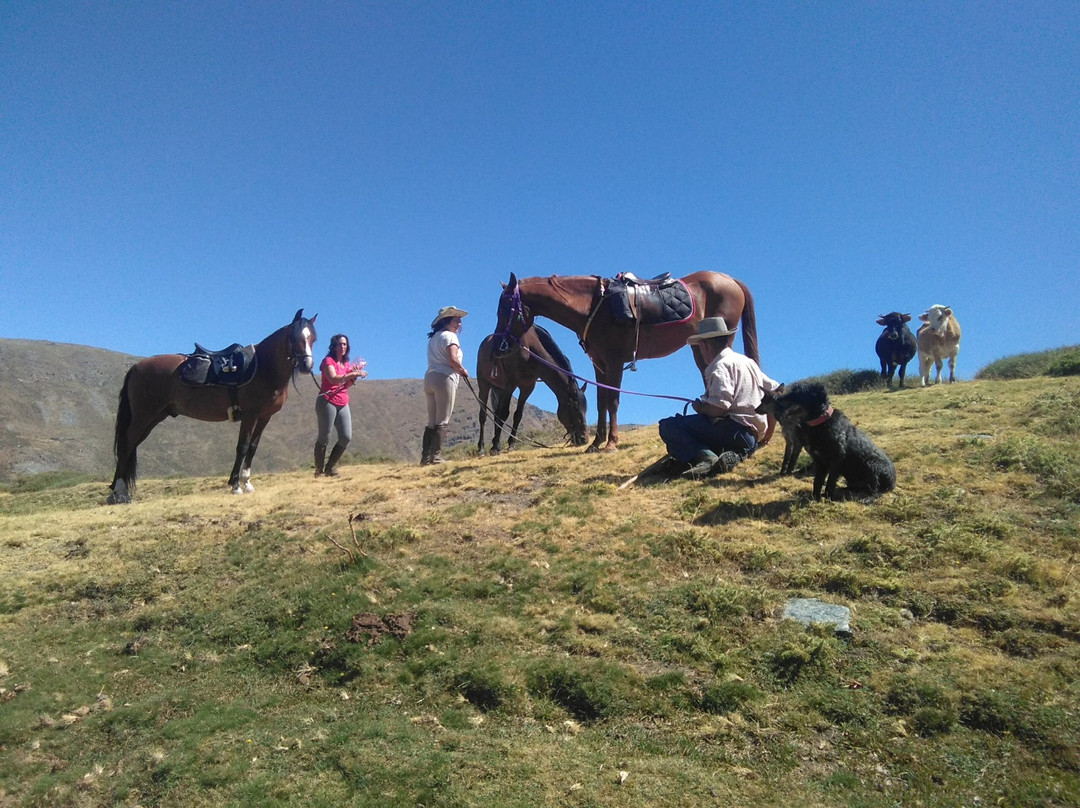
{"type": "Point", "coordinates": [448, 311]}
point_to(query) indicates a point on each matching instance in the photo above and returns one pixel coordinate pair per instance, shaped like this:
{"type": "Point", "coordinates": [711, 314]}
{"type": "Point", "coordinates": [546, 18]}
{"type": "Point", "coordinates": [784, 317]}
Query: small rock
{"type": "Point", "coordinates": [811, 610]}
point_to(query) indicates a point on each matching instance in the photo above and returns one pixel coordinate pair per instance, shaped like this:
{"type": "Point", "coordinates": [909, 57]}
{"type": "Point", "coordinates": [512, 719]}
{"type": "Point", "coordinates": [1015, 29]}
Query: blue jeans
{"type": "Point", "coordinates": [687, 436]}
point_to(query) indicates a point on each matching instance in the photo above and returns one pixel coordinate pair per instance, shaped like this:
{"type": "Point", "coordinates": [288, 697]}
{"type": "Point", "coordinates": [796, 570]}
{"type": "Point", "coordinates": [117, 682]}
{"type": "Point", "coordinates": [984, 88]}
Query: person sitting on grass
{"type": "Point", "coordinates": [725, 428]}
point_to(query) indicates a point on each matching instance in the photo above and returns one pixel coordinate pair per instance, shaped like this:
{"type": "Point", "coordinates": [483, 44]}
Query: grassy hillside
{"type": "Point", "coordinates": [517, 631]}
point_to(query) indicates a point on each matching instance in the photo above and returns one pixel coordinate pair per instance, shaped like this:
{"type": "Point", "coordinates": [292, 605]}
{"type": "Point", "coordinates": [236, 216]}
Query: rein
{"type": "Point", "coordinates": [543, 361]}
{"type": "Point", "coordinates": [489, 411]}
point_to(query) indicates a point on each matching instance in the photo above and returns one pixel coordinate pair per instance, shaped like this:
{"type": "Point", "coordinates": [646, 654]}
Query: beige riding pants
{"type": "Point", "coordinates": [440, 390]}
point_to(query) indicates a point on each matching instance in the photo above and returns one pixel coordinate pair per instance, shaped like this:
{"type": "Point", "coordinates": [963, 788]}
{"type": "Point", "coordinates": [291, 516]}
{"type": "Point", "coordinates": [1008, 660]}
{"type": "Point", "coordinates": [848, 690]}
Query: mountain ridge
{"type": "Point", "coordinates": [58, 406]}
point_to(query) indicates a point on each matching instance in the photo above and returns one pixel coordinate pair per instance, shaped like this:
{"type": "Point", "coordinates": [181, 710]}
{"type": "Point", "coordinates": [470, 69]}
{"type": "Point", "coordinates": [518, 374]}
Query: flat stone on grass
{"type": "Point", "coordinates": [812, 610]}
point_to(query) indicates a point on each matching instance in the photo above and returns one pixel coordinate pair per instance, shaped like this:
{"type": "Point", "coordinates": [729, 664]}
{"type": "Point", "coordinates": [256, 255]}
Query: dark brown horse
{"type": "Point", "coordinates": [517, 367]}
{"type": "Point", "coordinates": [153, 391]}
{"type": "Point", "coordinates": [577, 303]}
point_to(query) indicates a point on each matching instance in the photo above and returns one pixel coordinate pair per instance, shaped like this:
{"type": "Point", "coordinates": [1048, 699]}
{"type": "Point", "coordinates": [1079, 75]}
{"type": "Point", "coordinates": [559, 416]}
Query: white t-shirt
{"type": "Point", "coordinates": [438, 352]}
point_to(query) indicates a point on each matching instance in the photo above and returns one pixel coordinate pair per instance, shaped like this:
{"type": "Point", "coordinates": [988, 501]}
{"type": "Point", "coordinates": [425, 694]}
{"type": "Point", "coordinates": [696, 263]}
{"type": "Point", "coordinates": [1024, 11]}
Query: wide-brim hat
{"type": "Point", "coordinates": [448, 311]}
{"type": "Point", "coordinates": [711, 327]}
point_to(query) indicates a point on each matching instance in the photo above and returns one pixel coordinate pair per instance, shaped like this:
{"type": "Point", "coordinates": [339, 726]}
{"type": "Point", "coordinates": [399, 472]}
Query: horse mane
{"type": "Point", "coordinates": [549, 345]}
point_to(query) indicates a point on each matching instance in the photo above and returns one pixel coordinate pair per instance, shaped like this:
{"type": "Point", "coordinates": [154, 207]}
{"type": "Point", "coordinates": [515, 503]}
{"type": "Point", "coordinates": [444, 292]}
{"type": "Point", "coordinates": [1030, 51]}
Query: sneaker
{"type": "Point", "coordinates": [726, 462]}
{"type": "Point", "coordinates": [703, 464]}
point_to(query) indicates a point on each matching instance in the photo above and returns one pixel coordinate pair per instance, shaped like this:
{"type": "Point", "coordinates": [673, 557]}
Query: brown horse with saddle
{"type": "Point", "coordinates": [240, 384]}
{"type": "Point", "coordinates": [623, 319]}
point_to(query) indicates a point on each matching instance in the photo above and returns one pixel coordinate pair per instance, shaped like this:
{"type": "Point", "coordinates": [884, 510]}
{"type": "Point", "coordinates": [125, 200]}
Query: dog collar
{"type": "Point", "coordinates": [821, 418]}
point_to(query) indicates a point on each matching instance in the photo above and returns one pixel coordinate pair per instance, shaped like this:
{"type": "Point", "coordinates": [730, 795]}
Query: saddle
{"type": "Point", "coordinates": [230, 368]}
{"type": "Point", "coordinates": [657, 301]}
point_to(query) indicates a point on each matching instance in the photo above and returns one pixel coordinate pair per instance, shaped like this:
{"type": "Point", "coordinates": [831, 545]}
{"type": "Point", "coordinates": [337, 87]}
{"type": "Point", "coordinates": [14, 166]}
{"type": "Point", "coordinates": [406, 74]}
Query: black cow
{"type": "Point", "coordinates": [896, 346]}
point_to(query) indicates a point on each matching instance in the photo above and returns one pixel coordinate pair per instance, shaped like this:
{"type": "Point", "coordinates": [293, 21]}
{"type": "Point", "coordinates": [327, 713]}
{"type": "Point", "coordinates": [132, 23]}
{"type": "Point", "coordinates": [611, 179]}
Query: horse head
{"type": "Point", "coordinates": [302, 338]}
{"type": "Point", "coordinates": [514, 317]}
{"type": "Point", "coordinates": [572, 414]}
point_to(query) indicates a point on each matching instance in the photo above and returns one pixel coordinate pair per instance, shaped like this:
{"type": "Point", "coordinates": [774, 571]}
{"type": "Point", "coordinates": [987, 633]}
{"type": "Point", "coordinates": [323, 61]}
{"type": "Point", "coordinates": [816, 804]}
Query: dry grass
{"type": "Point", "coordinates": [573, 644]}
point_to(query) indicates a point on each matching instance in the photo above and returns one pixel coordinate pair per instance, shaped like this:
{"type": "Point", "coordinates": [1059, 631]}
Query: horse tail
{"type": "Point", "coordinates": [749, 324]}
{"type": "Point", "coordinates": [125, 459]}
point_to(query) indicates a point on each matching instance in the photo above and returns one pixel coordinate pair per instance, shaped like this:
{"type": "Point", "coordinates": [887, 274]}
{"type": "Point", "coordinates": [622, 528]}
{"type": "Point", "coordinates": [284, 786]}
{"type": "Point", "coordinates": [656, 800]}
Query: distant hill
{"type": "Point", "coordinates": [58, 406]}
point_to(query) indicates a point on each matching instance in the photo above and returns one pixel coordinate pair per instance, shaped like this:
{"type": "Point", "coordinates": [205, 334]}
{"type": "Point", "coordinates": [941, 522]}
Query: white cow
{"type": "Point", "coordinates": [938, 340]}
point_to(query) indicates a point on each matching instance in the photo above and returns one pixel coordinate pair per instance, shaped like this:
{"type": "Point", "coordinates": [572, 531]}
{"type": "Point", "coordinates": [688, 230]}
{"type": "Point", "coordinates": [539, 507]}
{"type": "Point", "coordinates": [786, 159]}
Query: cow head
{"type": "Point", "coordinates": [895, 323]}
{"type": "Point", "coordinates": [937, 316]}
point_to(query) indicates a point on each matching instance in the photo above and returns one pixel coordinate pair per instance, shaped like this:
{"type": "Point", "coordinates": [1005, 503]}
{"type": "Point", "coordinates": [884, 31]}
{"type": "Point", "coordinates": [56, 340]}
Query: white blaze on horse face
{"type": "Point", "coordinates": [308, 362]}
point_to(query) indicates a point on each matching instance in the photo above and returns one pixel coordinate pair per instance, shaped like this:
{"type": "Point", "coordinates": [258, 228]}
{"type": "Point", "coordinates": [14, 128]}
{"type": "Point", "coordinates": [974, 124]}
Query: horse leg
{"type": "Point", "coordinates": [240, 478]}
{"type": "Point", "coordinates": [517, 421]}
{"type": "Point", "coordinates": [524, 391]}
{"type": "Point", "coordinates": [127, 442]}
{"type": "Point", "coordinates": [502, 412]}
{"type": "Point", "coordinates": [613, 423]}
{"type": "Point", "coordinates": [483, 396]}
{"type": "Point", "coordinates": [600, 438]}
{"type": "Point", "coordinates": [253, 444]}
{"type": "Point", "coordinates": [607, 406]}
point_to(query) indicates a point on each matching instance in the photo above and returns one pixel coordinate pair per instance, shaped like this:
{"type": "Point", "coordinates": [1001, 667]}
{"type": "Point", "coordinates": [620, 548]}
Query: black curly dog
{"type": "Point", "coordinates": [837, 447]}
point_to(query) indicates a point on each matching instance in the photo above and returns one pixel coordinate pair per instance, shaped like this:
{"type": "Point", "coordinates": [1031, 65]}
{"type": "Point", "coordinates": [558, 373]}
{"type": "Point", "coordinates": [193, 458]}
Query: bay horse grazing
{"type": "Point", "coordinates": [577, 302]}
{"type": "Point", "coordinates": [534, 355]}
{"type": "Point", "coordinates": [153, 391]}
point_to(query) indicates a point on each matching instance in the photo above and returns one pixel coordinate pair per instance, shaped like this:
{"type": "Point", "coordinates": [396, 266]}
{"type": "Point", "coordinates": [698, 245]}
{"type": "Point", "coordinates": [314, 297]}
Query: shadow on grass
{"type": "Point", "coordinates": [726, 512]}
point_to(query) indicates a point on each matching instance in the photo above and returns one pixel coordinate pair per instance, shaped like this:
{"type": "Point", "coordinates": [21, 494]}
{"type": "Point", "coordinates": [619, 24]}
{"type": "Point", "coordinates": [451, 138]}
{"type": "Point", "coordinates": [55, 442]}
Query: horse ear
{"type": "Point", "coordinates": [583, 386]}
{"type": "Point", "coordinates": [513, 279]}
{"type": "Point", "coordinates": [313, 319]}
{"type": "Point", "coordinates": [298, 315]}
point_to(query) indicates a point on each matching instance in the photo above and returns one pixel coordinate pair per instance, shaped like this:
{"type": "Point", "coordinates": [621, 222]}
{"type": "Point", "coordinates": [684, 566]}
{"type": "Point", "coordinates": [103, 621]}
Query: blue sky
{"type": "Point", "coordinates": [172, 172]}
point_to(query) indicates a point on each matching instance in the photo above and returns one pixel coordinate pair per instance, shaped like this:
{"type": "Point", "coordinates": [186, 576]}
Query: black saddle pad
{"type": "Point", "coordinates": [232, 367]}
{"type": "Point", "coordinates": [667, 301]}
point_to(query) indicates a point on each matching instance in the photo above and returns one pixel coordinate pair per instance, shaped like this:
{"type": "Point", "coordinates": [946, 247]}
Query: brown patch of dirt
{"type": "Point", "coordinates": [370, 629]}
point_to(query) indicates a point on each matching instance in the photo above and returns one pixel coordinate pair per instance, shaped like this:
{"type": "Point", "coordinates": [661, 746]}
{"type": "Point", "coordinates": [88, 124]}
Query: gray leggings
{"type": "Point", "coordinates": [441, 390]}
{"type": "Point", "coordinates": [340, 417]}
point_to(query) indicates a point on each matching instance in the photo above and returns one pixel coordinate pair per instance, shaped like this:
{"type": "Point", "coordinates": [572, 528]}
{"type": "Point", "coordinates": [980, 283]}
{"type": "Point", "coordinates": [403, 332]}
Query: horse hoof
{"type": "Point", "coordinates": [117, 500]}
{"type": "Point", "coordinates": [249, 488]}
{"type": "Point", "coordinates": [237, 490]}
{"type": "Point", "coordinates": [593, 449]}
{"type": "Point", "coordinates": [611, 447]}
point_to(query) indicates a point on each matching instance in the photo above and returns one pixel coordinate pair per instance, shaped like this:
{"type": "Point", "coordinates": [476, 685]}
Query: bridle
{"type": "Point", "coordinates": [517, 314]}
{"type": "Point", "coordinates": [296, 337]}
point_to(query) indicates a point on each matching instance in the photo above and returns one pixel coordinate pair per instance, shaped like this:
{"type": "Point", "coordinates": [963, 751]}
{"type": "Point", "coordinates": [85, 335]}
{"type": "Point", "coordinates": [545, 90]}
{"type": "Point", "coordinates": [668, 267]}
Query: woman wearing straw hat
{"type": "Point", "coordinates": [441, 380]}
{"type": "Point", "coordinates": [726, 428]}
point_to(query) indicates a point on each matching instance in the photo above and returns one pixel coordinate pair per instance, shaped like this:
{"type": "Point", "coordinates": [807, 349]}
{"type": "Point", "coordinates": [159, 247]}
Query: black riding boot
{"type": "Point", "coordinates": [437, 435]}
{"type": "Point", "coordinates": [320, 458]}
{"type": "Point", "coordinates": [425, 450]}
{"type": "Point", "coordinates": [335, 456]}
